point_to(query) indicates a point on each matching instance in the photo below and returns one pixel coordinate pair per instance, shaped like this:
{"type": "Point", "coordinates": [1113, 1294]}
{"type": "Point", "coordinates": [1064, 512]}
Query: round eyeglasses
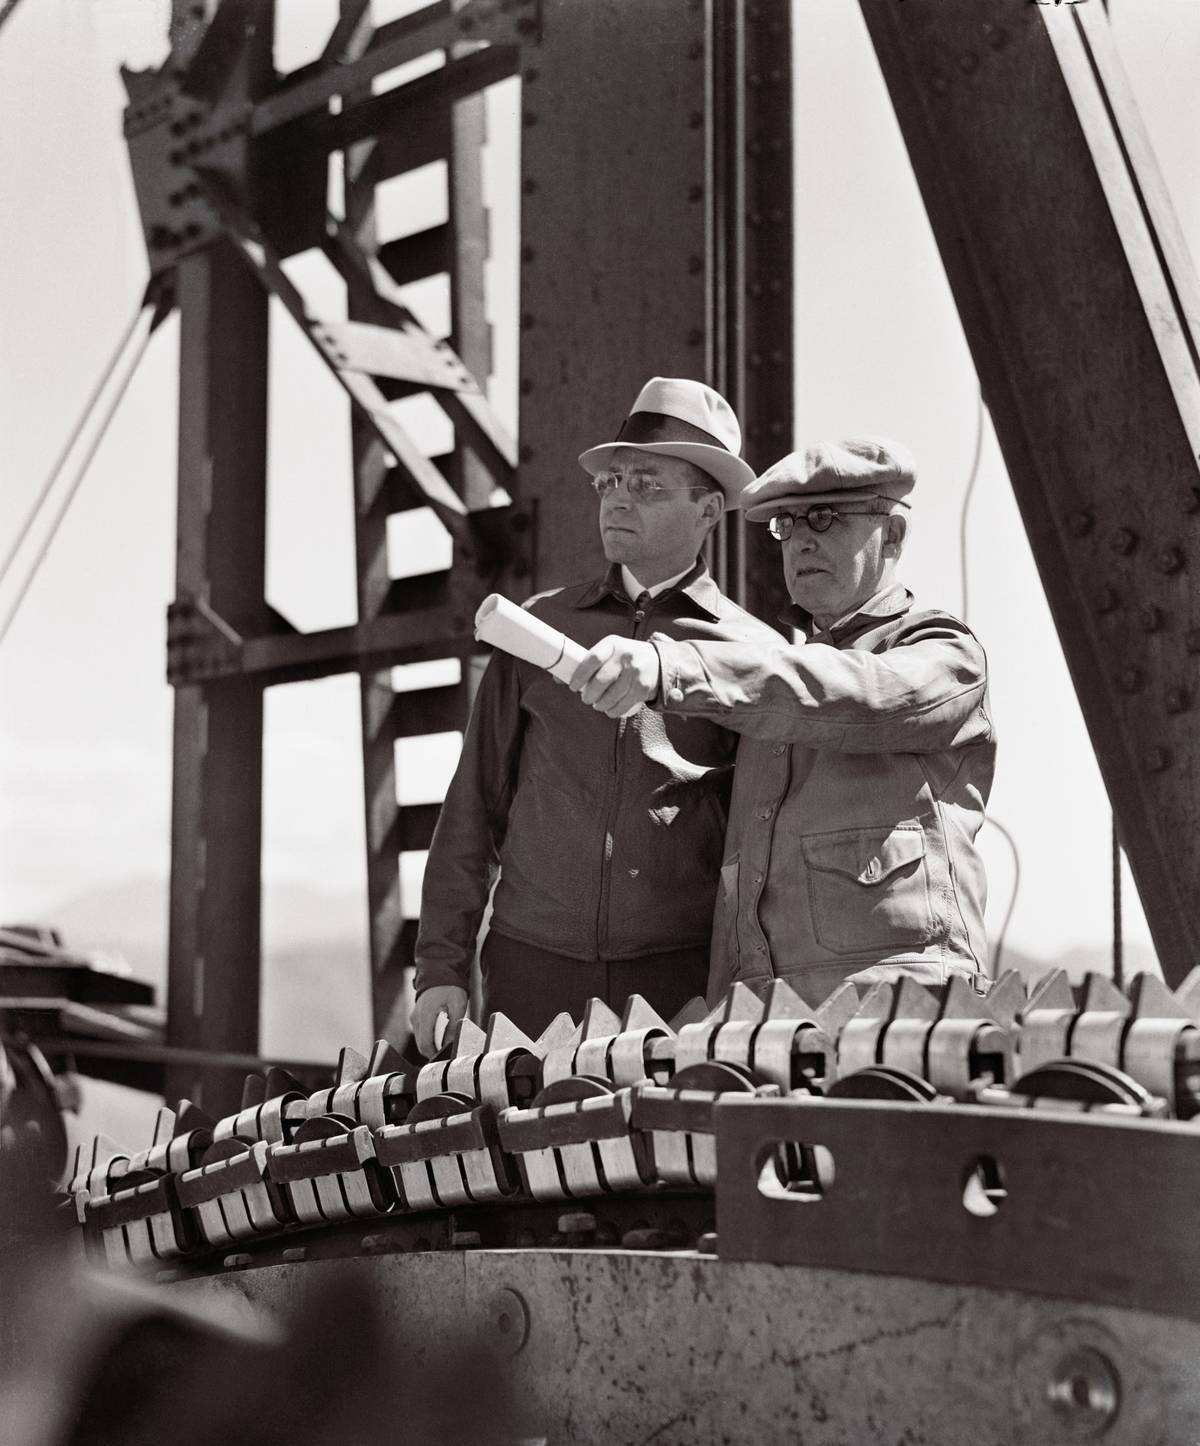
{"type": "Point", "coordinates": [820, 518]}
{"type": "Point", "coordinates": [638, 484]}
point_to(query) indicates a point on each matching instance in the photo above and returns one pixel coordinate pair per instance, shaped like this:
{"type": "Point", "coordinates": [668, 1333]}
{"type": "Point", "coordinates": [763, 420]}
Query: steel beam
{"type": "Point", "coordinates": [216, 827]}
{"type": "Point", "coordinates": [216, 814]}
{"type": "Point", "coordinates": [751, 310]}
{"type": "Point", "coordinates": [614, 242]}
{"type": "Point", "coordinates": [1075, 303]}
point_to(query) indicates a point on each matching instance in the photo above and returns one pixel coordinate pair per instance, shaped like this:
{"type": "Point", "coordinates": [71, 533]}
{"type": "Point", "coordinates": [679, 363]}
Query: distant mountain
{"type": "Point", "coordinates": [130, 920]}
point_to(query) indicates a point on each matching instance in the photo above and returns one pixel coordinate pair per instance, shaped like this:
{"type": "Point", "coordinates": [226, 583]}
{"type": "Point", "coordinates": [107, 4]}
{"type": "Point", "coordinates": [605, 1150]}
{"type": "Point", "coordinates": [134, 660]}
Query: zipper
{"type": "Point", "coordinates": [602, 931]}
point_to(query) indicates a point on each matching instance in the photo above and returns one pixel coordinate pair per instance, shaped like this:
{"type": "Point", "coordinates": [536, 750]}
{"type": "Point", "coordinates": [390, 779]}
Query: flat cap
{"type": "Point", "coordinates": [832, 472]}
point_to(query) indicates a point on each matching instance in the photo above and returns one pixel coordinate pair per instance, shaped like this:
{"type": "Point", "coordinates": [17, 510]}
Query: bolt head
{"type": "Point", "coordinates": [1123, 541]}
{"type": "Point", "coordinates": [1150, 618]}
{"type": "Point", "coordinates": [1177, 700]}
{"type": "Point", "coordinates": [1169, 560]}
{"type": "Point", "coordinates": [1079, 523]}
{"type": "Point", "coordinates": [1156, 760]}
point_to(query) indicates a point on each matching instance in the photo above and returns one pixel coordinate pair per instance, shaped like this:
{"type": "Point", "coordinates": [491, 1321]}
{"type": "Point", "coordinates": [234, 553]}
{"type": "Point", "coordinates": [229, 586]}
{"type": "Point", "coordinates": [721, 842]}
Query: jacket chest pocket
{"type": "Point", "coordinates": [868, 889]}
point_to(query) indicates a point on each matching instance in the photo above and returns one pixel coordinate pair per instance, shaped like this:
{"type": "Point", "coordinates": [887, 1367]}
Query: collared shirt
{"type": "Point", "coordinates": [888, 602]}
{"type": "Point", "coordinates": [635, 588]}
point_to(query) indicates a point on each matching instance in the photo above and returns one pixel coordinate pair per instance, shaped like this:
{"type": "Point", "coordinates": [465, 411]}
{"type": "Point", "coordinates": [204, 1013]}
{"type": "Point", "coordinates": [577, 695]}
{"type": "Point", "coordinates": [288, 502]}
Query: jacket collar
{"type": "Point", "coordinates": [697, 586]}
{"type": "Point", "coordinates": [891, 602]}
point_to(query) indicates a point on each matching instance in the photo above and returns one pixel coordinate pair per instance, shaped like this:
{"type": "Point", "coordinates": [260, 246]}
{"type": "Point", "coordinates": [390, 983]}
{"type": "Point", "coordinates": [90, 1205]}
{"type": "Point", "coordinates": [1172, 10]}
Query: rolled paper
{"type": "Point", "coordinates": [505, 625]}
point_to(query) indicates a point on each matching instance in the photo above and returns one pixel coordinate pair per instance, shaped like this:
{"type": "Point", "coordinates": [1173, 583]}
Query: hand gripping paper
{"type": "Point", "coordinates": [505, 625]}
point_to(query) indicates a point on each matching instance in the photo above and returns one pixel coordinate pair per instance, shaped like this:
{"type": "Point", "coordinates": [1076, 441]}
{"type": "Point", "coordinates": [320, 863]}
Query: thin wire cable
{"type": "Point", "coordinates": [1118, 955]}
{"type": "Point", "coordinates": [69, 446]}
{"type": "Point", "coordinates": [80, 471]}
{"type": "Point", "coordinates": [998, 952]}
{"type": "Point", "coordinates": [966, 502]}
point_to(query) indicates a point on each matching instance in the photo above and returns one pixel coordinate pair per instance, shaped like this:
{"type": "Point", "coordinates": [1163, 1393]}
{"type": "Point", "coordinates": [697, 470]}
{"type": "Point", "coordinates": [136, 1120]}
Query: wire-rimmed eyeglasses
{"type": "Point", "coordinates": [820, 518]}
{"type": "Point", "coordinates": [641, 485]}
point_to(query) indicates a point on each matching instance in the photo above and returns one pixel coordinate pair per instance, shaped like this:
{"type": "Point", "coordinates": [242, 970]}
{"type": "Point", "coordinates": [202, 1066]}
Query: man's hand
{"type": "Point", "coordinates": [449, 999]}
{"type": "Point", "coordinates": [617, 675]}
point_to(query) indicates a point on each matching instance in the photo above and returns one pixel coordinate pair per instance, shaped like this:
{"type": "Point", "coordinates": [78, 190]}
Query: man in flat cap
{"type": "Point", "coordinates": [607, 833]}
{"type": "Point", "coordinates": [867, 750]}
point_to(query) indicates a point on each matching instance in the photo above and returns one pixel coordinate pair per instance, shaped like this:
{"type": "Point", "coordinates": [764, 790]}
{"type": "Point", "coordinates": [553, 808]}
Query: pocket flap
{"type": "Point", "coordinates": [869, 856]}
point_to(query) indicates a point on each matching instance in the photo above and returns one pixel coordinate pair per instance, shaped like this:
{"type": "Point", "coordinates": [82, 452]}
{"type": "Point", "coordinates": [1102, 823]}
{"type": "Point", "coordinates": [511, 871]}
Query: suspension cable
{"type": "Point", "coordinates": [998, 952]}
{"type": "Point", "coordinates": [7, 9]}
{"type": "Point", "coordinates": [149, 308]}
{"type": "Point", "coordinates": [68, 446]}
{"type": "Point", "coordinates": [966, 502]}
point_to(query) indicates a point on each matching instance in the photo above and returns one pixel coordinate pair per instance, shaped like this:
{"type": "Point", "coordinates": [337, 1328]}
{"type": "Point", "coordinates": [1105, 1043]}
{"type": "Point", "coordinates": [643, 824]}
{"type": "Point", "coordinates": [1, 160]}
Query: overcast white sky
{"type": "Point", "coordinates": [85, 721]}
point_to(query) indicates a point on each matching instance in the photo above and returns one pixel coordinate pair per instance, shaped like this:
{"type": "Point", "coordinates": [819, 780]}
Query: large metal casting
{"type": "Point", "coordinates": [1080, 307]}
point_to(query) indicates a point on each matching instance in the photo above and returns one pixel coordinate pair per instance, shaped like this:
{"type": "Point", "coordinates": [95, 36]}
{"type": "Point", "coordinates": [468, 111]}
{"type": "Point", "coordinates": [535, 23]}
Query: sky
{"type": "Point", "coordinates": [85, 712]}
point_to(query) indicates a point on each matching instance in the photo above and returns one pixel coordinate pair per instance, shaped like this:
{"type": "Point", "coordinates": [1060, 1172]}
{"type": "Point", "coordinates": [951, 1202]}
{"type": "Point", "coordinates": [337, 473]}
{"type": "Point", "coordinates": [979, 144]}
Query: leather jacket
{"type": "Point", "coordinates": [607, 833]}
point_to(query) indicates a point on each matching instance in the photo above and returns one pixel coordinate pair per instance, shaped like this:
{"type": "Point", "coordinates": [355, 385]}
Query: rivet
{"type": "Point", "coordinates": [756, 288]}
{"type": "Point", "coordinates": [1130, 680]}
{"type": "Point", "coordinates": [525, 452]}
{"type": "Point", "coordinates": [754, 81]}
{"type": "Point", "coordinates": [1079, 523]}
{"type": "Point", "coordinates": [998, 38]}
{"type": "Point", "coordinates": [528, 119]}
{"type": "Point", "coordinates": [777, 215]}
{"type": "Point", "coordinates": [755, 218]}
{"type": "Point", "coordinates": [1177, 700]}
{"type": "Point", "coordinates": [777, 357]}
{"type": "Point", "coordinates": [968, 62]}
{"type": "Point", "coordinates": [1150, 618]}
{"type": "Point", "coordinates": [775, 77]}
{"type": "Point", "coordinates": [526, 386]}
{"type": "Point", "coordinates": [696, 120]}
{"type": "Point", "coordinates": [1169, 560]}
{"type": "Point", "coordinates": [526, 25]}
{"type": "Point", "coordinates": [755, 148]}
{"type": "Point", "coordinates": [528, 186]}
{"type": "Point", "coordinates": [939, 84]}
{"type": "Point", "coordinates": [695, 193]}
{"type": "Point", "coordinates": [695, 336]}
{"type": "Point", "coordinates": [755, 360]}
{"type": "Point", "coordinates": [1107, 599]}
{"type": "Point", "coordinates": [1156, 760]}
{"type": "Point", "coordinates": [695, 265]}
{"type": "Point", "coordinates": [531, 75]}
{"type": "Point", "coordinates": [527, 253]}
{"type": "Point", "coordinates": [1191, 503]}
{"type": "Point", "coordinates": [775, 145]}
{"type": "Point", "coordinates": [776, 429]}
{"type": "Point", "coordinates": [1123, 541]}
{"type": "Point", "coordinates": [526, 321]}
{"type": "Point", "coordinates": [1084, 1394]}
{"type": "Point", "coordinates": [775, 286]}
{"type": "Point", "coordinates": [696, 50]}
{"type": "Point", "coordinates": [1192, 640]}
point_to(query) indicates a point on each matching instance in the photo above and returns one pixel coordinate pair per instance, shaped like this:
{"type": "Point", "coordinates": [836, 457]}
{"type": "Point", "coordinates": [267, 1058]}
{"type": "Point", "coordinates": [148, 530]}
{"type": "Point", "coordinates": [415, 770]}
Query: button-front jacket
{"type": "Point", "coordinates": [608, 833]}
{"type": "Point", "coordinates": [866, 760]}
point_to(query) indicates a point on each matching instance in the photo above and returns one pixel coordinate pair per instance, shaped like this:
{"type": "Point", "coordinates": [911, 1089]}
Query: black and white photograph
{"type": "Point", "coordinates": [599, 763]}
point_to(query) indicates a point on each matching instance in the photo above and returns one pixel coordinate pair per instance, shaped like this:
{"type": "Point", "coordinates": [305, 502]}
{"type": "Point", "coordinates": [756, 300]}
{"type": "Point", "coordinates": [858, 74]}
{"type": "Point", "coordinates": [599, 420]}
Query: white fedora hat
{"type": "Point", "coordinates": [677, 417]}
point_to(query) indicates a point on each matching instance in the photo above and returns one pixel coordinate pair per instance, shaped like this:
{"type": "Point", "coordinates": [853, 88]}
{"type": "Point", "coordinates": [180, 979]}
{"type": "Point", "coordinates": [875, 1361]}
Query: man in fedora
{"type": "Point", "coordinates": [867, 750]}
{"type": "Point", "coordinates": [607, 832]}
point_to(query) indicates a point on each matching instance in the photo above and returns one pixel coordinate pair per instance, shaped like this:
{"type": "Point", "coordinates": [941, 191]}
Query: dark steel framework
{"type": "Point", "coordinates": [656, 236]}
{"type": "Point", "coordinates": [1082, 310]}
{"type": "Point", "coordinates": [678, 116]}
